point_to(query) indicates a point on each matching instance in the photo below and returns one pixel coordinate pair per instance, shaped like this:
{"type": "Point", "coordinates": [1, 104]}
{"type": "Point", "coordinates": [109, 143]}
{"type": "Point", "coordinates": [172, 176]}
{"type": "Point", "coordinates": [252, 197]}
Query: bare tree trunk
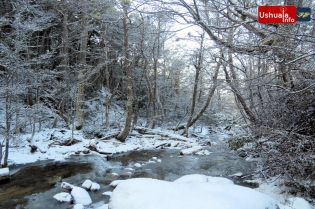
{"type": "Point", "coordinates": [136, 107]}
{"type": "Point", "coordinates": [156, 55]}
{"type": "Point", "coordinates": [210, 94]}
{"type": "Point", "coordinates": [198, 67]}
{"type": "Point", "coordinates": [17, 110]}
{"type": "Point", "coordinates": [127, 65]}
{"type": "Point", "coordinates": [239, 97]}
{"type": "Point", "coordinates": [259, 87]}
{"type": "Point", "coordinates": [107, 105]}
{"type": "Point", "coordinates": [150, 96]}
{"type": "Point", "coordinates": [7, 122]}
{"type": "Point", "coordinates": [64, 64]}
{"type": "Point", "coordinates": [82, 66]}
{"type": "Point", "coordinates": [154, 94]}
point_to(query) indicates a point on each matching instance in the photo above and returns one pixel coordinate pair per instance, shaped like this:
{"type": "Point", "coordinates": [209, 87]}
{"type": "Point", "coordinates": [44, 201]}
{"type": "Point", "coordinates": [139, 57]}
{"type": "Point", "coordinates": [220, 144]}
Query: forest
{"type": "Point", "coordinates": [169, 65]}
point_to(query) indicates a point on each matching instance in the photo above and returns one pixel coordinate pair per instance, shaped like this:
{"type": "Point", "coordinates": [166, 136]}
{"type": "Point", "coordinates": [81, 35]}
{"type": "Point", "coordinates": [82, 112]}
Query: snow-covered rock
{"type": "Point", "coordinates": [108, 193]}
{"type": "Point", "coordinates": [113, 176]}
{"type": "Point", "coordinates": [95, 186]}
{"type": "Point", "coordinates": [126, 173]}
{"type": "Point", "coordinates": [198, 178]}
{"type": "Point", "coordinates": [63, 197]}
{"type": "Point", "coordinates": [129, 169]}
{"type": "Point", "coordinates": [115, 183]}
{"type": "Point", "coordinates": [137, 165]}
{"type": "Point", "coordinates": [81, 196]}
{"type": "Point", "coordinates": [238, 174]}
{"type": "Point", "coordinates": [143, 193]}
{"type": "Point", "coordinates": [66, 186]}
{"type": "Point", "coordinates": [87, 184]}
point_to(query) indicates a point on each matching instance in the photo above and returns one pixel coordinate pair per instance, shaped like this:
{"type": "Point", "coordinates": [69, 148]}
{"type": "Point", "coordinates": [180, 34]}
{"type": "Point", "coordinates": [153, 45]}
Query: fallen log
{"type": "Point", "coordinates": [113, 135]}
{"type": "Point", "coordinates": [4, 173]}
{"type": "Point", "coordinates": [191, 151]}
{"type": "Point", "coordinates": [161, 144]}
{"type": "Point", "coordinates": [143, 130]}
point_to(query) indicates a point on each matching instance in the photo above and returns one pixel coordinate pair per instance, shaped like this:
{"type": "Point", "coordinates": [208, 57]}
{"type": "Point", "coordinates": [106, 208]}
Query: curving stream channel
{"type": "Point", "coordinates": [32, 186]}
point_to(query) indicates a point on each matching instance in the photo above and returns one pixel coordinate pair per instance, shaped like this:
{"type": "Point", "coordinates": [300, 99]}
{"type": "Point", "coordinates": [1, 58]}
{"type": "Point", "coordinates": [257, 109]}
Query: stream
{"type": "Point", "coordinates": [32, 186]}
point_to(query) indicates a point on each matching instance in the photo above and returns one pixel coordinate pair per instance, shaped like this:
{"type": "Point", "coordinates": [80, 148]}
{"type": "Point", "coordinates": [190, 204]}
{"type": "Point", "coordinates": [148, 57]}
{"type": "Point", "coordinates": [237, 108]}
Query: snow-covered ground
{"type": "Point", "coordinates": [51, 144]}
{"type": "Point", "coordinates": [188, 192]}
{"type": "Point", "coordinates": [195, 191]}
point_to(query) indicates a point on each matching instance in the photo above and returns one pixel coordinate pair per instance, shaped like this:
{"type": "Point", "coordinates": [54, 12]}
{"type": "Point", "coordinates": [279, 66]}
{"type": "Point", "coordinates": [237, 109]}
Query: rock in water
{"type": "Point", "coordinates": [81, 196]}
{"type": "Point", "coordinates": [137, 165]}
{"type": "Point", "coordinates": [63, 197]}
{"type": "Point", "coordinates": [87, 184]}
{"type": "Point", "coordinates": [66, 186]}
{"type": "Point", "coordinates": [95, 186]}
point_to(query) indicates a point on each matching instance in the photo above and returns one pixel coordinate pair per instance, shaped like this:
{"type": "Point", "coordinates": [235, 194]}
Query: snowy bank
{"type": "Point", "coordinates": [143, 193]}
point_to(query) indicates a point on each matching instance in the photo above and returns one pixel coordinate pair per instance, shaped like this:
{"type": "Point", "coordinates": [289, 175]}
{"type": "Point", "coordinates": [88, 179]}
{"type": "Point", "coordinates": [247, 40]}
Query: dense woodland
{"type": "Point", "coordinates": [58, 57]}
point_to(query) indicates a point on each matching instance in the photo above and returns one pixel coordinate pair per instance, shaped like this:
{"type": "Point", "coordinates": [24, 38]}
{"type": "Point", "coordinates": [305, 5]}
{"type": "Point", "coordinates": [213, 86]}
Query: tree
{"type": "Point", "coordinates": [127, 67]}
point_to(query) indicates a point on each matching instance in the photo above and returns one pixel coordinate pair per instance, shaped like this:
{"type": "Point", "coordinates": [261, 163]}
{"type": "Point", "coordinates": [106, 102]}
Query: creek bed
{"type": "Point", "coordinates": [34, 185]}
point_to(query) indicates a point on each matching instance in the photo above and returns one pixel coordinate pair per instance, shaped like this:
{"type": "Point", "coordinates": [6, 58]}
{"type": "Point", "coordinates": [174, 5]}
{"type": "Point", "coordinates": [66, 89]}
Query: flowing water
{"type": "Point", "coordinates": [33, 186]}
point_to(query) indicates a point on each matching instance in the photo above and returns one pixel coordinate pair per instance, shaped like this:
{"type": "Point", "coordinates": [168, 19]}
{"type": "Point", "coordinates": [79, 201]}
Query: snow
{"type": "Point", "coordinates": [66, 186]}
{"type": "Point", "coordinates": [108, 193]}
{"type": "Point", "coordinates": [239, 174]}
{"type": "Point", "coordinates": [129, 169]}
{"type": "Point", "coordinates": [49, 145]}
{"type": "Point", "coordinates": [191, 150]}
{"type": "Point", "coordinates": [63, 197]}
{"type": "Point", "coordinates": [286, 201]}
{"type": "Point", "coordinates": [78, 206]}
{"type": "Point", "coordinates": [81, 196]}
{"type": "Point", "coordinates": [143, 193]}
{"type": "Point", "coordinates": [103, 207]}
{"type": "Point", "coordinates": [115, 174]}
{"type": "Point", "coordinates": [137, 165]}
{"type": "Point", "coordinates": [95, 186]}
{"type": "Point", "coordinates": [87, 184]}
{"type": "Point", "coordinates": [4, 171]}
{"type": "Point", "coordinates": [115, 183]}
{"type": "Point", "coordinates": [296, 203]}
{"type": "Point", "coordinates": [198, 178]}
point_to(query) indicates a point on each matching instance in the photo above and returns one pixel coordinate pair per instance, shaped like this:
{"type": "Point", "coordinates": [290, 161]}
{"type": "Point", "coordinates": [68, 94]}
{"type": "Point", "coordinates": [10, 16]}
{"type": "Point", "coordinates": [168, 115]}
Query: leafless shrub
{"type": "Point", "coordinates": [285, 138]}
